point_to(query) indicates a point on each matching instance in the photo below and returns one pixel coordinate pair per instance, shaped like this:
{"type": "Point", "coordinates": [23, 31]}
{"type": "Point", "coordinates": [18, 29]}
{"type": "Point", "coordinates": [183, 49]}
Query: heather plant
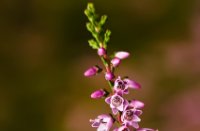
{"type": "Point", "coordinates": [124, 112]}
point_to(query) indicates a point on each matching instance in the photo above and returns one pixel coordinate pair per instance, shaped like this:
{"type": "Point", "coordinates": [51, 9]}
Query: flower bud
{"type": "Point", "coordinates": [98, 94]}
{"type": "Point", "coordinates": [132, 84]}
{"type": "Point", "coordinates": [122, 54]}
{"type": "Point", "coordinates": [115, 61]}
{"type": "Point", "coordinates": [101, 51]}
{"type": "Point", "coordinates": [109, 76]}
{"type": "Point", "coordinates": [92, 71]}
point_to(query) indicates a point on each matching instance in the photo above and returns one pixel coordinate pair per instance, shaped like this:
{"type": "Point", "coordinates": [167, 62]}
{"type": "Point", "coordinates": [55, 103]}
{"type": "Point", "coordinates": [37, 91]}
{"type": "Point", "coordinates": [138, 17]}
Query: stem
{"type": "Point", "coordinates": [107, 67]}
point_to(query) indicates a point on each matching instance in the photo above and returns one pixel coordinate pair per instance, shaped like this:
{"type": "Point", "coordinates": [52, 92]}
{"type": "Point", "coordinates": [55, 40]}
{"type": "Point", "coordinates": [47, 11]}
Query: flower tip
{"type": "Point", "coordinates": [122, 54]}
{"type": "Point", "coordinates": [115, 61]}
{"type": "Point", "coordinates": [109, 76]}
{"type": "Point", "coordinates": [132, 84]}
{"type": "Point", "coordinates": [137, 104]}
{"type": "Point", "coordinates": [98, 94]}
{"type": "Point", "coordinates": [92, 71]}
{"type": "Point", "coordinates": [101, 51]}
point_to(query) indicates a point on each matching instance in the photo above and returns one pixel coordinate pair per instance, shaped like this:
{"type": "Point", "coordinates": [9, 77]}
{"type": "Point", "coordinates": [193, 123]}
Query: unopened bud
{"type": "Point", "coordinates": [101, 51]}
{"type": "Point", "coordinates": [92, 71]}
{"type": "Point", "coordinates": [109, 76]}
{"type": "Point", "coordinates": [98, 94]}
{"type": "Point", "coordinates": [122, 54]}
{"type": "Point", "coordinates": [115, 61]}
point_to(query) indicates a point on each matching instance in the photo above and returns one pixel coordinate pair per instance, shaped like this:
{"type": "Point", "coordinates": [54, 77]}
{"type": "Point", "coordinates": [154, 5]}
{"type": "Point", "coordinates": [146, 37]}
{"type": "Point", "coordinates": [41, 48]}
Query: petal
{"type": "Point", "coordinates": [108, 100]}
{"type": "Point", "coordinates": [121, 107]}
{"type": "Point", "coordinates": [91, 71]}
{"type": "Point", "coordinates": [135, 125]}
{"type": "Point", "coordinates": [122, 54]}
{"type": "Point", "coordinates": [114, 110]}
{"type": "Point", "coordinates": [137, 104]}
{"type": "Point", "coordinates": [136, 118]}
{"type": "Point", "coordinates": [110, 123]}
{"type": "Point", "coordinates": [109, 76]}
{"type": "Point", "coordinates": [102, 127]}
{"type": "Point", "coordinates": [115, 61]}
{"type": "Point", "coordinates": [146, 129]}
{"type": "Point", "coordinates": [98, 94]}
{"type": "Point", "coordinates": [102, 116]}
{"type": "Point", "coordinates": [95, 124]}
{"type": "Point", "coordinates": [122, 128]}
{"type": "Point", "coordinates": [126, 91]}
{"type": "Point", "coordinates": [101, 51]}
{"type": "Point", "coordinates": [138, 112]}
{"type": "Point", "coordinates": [132, 84]}
{"type": "Point", "coordinates": [126, 104]}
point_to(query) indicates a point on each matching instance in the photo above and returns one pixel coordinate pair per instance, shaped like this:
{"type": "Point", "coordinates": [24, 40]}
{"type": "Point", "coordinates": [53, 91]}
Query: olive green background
{"type": "Point", "coordinates": [44, 52]}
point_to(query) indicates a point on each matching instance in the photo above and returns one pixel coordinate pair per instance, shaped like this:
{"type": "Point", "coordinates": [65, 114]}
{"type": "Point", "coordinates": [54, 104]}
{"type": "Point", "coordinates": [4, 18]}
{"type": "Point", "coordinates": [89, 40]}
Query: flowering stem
{"type": "Point", "coordinates": [101, 38]}
{"type": "Point", "coordinates": [107, 67]}
{"type": "Point", "coordinates": [124, 112]}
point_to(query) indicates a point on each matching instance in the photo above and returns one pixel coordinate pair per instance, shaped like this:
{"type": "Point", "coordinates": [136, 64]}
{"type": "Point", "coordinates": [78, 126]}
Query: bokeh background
{"type": "Point", "coordinates": [44, 52]}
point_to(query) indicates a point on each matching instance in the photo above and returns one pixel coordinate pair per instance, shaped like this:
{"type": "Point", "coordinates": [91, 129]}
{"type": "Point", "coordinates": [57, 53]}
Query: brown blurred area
{"type": "Point", "coordinates": [44, 52]}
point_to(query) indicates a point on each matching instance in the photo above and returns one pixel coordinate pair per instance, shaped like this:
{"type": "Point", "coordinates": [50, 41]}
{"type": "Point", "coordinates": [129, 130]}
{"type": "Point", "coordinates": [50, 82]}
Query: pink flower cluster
{"type": "Point", "coordinates": [125, 112]}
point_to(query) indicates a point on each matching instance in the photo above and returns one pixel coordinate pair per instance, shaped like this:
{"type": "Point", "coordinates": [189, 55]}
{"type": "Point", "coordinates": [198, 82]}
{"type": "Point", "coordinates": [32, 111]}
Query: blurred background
{"type": "Point", "coordinates": [44, 52]}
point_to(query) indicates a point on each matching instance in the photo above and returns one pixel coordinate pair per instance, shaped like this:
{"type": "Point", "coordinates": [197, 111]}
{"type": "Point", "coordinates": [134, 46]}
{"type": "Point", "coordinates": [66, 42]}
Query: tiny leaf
{"type": "Point", "coordinates": [103, 20]}
{"type": "Point", "coordinates": [93, 44]}
{"type": "Point", "coordinates": [107, 36]}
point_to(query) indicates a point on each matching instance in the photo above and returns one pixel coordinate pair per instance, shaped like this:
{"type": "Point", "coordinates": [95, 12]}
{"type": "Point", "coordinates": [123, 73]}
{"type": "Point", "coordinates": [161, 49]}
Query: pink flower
{"type": "Point", "coordinates": [98, 94]}
{"type": "Point", "coordinates": [92, 71]}
{"type": "Point", "coordinates": [122, 55]}
{"type": "Point", "coordinates": [130, 115]}
{"type": "Point", "coordinates": [117, 103]}
{"type": "Point", "coordinates": [129, 118]}
{"type": "Point", "coordinates": [102, 122]}
{"type": "Point", "coordinates": [121, 86]}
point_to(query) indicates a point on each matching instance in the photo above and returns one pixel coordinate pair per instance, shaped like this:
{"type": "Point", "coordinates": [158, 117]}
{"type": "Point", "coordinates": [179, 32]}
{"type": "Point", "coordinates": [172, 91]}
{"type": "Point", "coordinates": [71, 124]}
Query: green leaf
{"type": "Point", "coordinates": [107, 36]}
{"type": "Point", "coordinates": [90, 7]}
{"type": "Point", "coordinates": [103, 20]}
{"type": "Point", "coordinates": [90, 27]}
{"type": "Point", "coordinates": [93, 44]}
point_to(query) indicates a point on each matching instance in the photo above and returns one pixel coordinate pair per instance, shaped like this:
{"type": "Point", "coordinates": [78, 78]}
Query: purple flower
{"type": "Point", "coordinates": [129, 118]}
{"type": "Point", "coordinates": [115, 61]}
{"type": "Point", "coordinates": [132, 84]}
{"type": "Point", "coordinates": [92, 71]}
{"type": "Point", "coordinates": [122, 128]}
{"type": "Point", "coordinates": [98, 94]}
{"type": "Point", "coordinates": [117, 103]}
{"type": "Point", "coordinates": [102, 122]}
{"type": "Point", "coordinates": [101, 51]}
{"type": "Point", "coordinates": [122, 55]}
{"type": "Point", "coordinates": [130, 115]}
{"type": "Point", "coordinates": [109, 76]}
{"type": "Point", "coordinates": [146, 129]}
{"type": "Point", "coordinates": [121, 86]}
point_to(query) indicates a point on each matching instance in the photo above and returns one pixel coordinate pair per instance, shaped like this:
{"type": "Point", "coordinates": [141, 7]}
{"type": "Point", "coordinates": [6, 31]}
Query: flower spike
{"type": "Point", "coordinates": [123, 111]}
